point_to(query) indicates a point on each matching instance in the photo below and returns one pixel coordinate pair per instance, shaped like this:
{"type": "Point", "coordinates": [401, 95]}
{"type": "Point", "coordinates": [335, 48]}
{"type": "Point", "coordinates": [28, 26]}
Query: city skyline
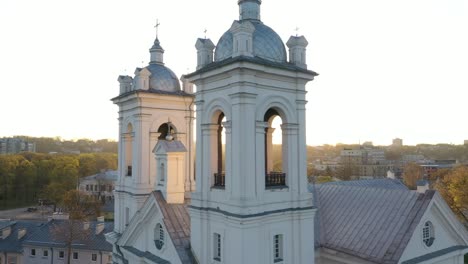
{"type": "Point", "coordinates": [388, 69]}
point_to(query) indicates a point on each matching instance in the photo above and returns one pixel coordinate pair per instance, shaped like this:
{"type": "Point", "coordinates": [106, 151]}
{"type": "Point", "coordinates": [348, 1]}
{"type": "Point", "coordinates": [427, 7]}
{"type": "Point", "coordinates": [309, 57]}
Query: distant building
{"type": "Point", "coordinates": [397, 142]}
{"type": "Point", "coordinates": [417, 158]}
{"type": "Point", "coordinates": [32, 242]}
{"type": "Point", "coordinates": [16, 145]}
{"type": "Point", "coordinates": [466, 142]}
{"type": "Point", "coordinates": [100, 185]}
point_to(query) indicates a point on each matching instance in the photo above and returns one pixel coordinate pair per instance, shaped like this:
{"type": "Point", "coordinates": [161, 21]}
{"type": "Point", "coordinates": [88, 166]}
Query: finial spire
{"type": "Point", "coordinates": [156, 51]}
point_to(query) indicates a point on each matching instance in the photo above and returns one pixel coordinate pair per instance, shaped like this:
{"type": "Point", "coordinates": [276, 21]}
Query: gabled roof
{"type": "Point", "coordinates": [372, 221]}
{"type": "Point", "coordinates": [110, 175]}
{"type": "Point", "coordinates": [177, 222]}
{"type": "Point", "coordinates": [12, 243]}
{"type": "Point", "coordinates": [44, 236]}
{"type": "Point", "coordinates": [377, 183]}
{"type": "Point", "coordinates": [169, 146]}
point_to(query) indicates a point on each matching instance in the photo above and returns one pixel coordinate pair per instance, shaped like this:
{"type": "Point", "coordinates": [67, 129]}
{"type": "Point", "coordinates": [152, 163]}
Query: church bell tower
{"type": "Point", "coordinates": [249, 205]}
{"type": "Point", "coordinates": [155, 114]}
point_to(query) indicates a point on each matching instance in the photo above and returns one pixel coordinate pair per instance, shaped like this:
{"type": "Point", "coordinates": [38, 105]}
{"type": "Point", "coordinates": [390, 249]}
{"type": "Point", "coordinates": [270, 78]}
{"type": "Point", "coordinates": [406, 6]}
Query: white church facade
{"type": "Point", "coordinates": [221, 200]}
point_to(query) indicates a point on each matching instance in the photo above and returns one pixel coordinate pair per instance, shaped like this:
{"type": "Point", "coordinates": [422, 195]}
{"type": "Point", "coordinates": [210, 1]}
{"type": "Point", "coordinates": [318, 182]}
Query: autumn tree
{"type": "Point", "coordinates": [453, 186]}
{"type": "Point", "coordinates": [81, 208]}
{"type": "Point", "coordinates": [412, 172]}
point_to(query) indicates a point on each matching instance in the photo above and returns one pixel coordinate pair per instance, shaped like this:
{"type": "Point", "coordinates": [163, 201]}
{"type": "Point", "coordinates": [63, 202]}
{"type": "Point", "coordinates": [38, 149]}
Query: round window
{"type": "Point", "coordinates": [428, 234]}
{"type": "Point", "coordinates": [159, 236]}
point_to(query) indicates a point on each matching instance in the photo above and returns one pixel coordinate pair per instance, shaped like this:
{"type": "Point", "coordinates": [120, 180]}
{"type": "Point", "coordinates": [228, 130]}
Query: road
{"type": "Point", "coordinates": [23, 214]}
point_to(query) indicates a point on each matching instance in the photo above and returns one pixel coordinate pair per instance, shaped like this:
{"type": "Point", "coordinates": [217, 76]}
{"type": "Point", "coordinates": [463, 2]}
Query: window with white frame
{"type": "Point", "coordinates": [94, 257]}
{"type": "Point", "coordinates": [33, 252]}
{"type": "Point", "coordinates": [45, 253]}
{"type": "Point", "coordinates": [75, 255]}
{"type": "Point", "coordinates": [61, 254]}
{"type": "Point", "coordinates": [217, 247]}
{"type": "Point", "coordinates": [278, 248]}
{"type": "Point", "coordinates": [159, 236]}
{"type": "Point", "coordinates": [428, 234]}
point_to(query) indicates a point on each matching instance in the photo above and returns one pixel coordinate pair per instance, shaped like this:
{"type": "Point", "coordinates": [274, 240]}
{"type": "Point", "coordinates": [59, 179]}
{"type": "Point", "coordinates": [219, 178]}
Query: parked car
{"type": "Point", "coordinates": [31, 209]}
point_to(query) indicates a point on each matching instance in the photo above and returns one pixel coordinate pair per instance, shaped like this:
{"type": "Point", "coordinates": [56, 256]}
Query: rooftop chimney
{"type": "Point", "coordinates": [99, 228]}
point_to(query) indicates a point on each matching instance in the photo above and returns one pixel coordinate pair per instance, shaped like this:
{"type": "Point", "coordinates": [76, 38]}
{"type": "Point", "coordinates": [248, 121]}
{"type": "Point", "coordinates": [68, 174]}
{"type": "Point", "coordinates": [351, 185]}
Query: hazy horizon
{"type": "Point", "coordinates": [388, 69]}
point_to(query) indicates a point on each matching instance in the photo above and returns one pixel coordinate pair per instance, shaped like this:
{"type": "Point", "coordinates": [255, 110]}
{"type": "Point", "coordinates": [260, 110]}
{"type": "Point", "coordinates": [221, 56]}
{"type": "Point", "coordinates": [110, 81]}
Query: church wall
{"type": "Point", "coordinates": [143, 238]}
{"type": "Point", "coordinates": [445, 237]}
{"type": "Point", "coordinates": [243, 235]}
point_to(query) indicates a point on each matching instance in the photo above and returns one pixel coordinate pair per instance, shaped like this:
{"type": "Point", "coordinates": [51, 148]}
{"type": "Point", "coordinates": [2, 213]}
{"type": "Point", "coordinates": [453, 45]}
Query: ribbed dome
{"type": "Point", "coordinates": [266, 44]}
{"type": "Point", "coordinates": [162, 78]}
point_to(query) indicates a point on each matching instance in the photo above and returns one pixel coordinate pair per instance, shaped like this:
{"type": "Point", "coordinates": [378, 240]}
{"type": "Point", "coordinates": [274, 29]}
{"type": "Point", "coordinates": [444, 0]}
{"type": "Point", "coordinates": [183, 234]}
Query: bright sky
{"type": "Point", "coordinates": [388, 68]}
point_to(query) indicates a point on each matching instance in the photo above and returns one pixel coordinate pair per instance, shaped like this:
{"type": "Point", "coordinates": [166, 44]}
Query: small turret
{"type": "Point", "coordinates": [249, 9]}
{"type": "Point", "coordinates": [187, 86]}
{"type": "Point", "coordinates": [125, 83]}
{"type": "Point", "coordinates": [297, 51]}
{"type": "Point", "coordinates": [205, 48]}
{"type": "Point", "coordinates": [157, 53]}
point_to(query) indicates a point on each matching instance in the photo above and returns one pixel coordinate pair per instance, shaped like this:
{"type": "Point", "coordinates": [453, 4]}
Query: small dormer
{"type": "Point", "coordinates": [6, 232]}
{"type": "Point", "coordinates": [141, 81]}
{"type": "Point", "coordinates": [22, 232]}
{"type": "Point", "coordinates": [170, 170]}
{"type": "Point", "coordinates": [242, 32]}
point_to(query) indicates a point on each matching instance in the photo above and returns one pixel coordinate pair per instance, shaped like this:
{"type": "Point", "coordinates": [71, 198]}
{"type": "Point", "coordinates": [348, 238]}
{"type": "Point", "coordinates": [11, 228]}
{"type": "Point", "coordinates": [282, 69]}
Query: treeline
{"type": "Point", "coordinates": [27, 177]}
{"type": "Point", "coordinates": [48, 145]}
{"type": "Point", "coordinates": [434, 152]}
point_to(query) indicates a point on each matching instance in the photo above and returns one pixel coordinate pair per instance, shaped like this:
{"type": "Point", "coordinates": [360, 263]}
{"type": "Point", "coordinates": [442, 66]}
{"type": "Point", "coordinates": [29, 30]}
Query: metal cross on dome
{"type": "Point", "coordinates": [157, 27]}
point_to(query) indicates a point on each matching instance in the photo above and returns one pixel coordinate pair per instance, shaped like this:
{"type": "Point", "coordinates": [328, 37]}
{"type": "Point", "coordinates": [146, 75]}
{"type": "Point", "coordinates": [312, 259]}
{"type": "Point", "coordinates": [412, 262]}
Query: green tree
{"type": "Point", "coordinates": [8, 164]}
{"type": "Point", "coordinates": [87, 165]}
{"type": "Point", "coordinates": [24, 181]}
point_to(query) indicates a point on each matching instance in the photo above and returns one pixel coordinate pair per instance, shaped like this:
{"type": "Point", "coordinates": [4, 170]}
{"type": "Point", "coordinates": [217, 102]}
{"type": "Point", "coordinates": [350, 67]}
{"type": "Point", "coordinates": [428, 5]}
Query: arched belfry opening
{"type": "Point", "coordinates": [275, 164]}
{"type": "Point", "coordinates": [219, 151]}
{"type": "Point", "coordinates": [128, 139]}
{"type": "Point", "coordinates": [167, 132]}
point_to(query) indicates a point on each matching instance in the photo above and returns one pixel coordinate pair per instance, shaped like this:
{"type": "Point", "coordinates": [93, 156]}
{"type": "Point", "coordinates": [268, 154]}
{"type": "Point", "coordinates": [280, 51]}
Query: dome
{"type": "Point", "coordinates": [162, 78]}
{"type": "Point", "coordinates": [266, 44]}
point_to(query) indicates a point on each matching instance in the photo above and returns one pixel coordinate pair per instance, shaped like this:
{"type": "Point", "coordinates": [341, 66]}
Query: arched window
{"type": "Point", "coordinates": [159, 236]}
{"type": "Point", "coordinates": [219, 175]}
{"type": "Point", "coordinates": [128, 141]}
{"type": "Point", "coordinates": [274, 162]}
{"type": "Point", "coordinates": [167, 131]}
{"type": "Point", "coordinates": [428, 234]}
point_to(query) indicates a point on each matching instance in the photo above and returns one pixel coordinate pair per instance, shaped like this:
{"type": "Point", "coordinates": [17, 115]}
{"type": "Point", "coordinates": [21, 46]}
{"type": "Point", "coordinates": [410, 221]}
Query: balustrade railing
{"type": "Point", "coordinates": [219, 179]}
{"type": "Point", "coordinates": [275, 179]}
